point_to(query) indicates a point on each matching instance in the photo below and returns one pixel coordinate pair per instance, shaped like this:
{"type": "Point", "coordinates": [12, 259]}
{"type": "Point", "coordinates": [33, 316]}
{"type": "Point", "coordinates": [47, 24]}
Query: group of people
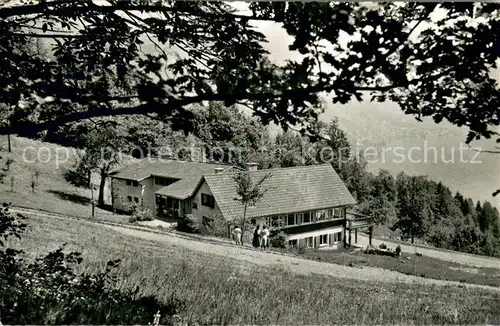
{"type": "Point", "coordinates": [260, 237]}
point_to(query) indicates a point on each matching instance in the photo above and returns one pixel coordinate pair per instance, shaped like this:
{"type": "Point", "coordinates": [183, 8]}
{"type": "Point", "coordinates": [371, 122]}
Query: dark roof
{"type": "Point", "coordinates": [289, 190]}
{"type": "Point", "coordinates": [186, 187]}
{"type": "Point", "coordinates": [167, 168]}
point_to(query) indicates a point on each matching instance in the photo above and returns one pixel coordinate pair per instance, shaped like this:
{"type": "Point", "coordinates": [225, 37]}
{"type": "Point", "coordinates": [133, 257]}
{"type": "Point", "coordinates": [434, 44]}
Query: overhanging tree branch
{"type": "Point", "coordinates": [45, 8]}
{"type": "Point", "coordinates": [173, 104]}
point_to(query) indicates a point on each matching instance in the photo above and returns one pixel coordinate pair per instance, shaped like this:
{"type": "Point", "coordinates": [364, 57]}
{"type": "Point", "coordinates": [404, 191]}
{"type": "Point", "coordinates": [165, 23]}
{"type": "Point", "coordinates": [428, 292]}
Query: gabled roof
{"type": "Point", "coordinates": [289, 190]}
{"type": "Point", "coordinates": [167, 168]}
{"type": "Point", "coordinates": [186, 187]}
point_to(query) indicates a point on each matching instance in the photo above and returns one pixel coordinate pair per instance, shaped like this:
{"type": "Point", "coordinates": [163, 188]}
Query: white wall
{"type": "Point", "coordinates": [121, 191]}
{"type": "Point", "coordinates": [301, 237]}
{"type": "Point", "coordinates": [203, 210]}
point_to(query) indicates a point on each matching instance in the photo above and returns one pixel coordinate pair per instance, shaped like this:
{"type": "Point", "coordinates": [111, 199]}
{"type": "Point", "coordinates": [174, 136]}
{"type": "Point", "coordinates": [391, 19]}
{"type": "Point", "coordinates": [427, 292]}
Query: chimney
{"type": "Point", "coordinates": [252, 167]}
{"type": "Point", "coordinates": [219, 170]}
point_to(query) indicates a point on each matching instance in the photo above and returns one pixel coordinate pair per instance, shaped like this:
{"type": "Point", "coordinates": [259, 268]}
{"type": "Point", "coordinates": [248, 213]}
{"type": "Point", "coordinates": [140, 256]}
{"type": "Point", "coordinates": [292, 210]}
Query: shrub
{"type": "Point", "coordinates": [140, 214]}
{"type": "Point", "coordinates": [188, 224]}
{"type": "Point", "coordinates": [397, 252]}
{"type": "Point", "coordinates": [79, 176]}
{"type": "Point", "coordinates": [278, 239]}
{"type": "Point", "coordinates": [214, 224]}
{"type": "Point", "coordinates": [48, 291]}
{"type": "Point", "coordinates": [383, 246]}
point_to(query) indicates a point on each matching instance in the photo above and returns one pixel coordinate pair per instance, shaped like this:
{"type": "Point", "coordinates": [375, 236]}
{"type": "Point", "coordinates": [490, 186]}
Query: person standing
{"type": "Point", "coordinates": [264, 235]}
{"type": "Point", "coordinates": [256, 237]}
{"type": "Point", "coordinates": [237, 235]}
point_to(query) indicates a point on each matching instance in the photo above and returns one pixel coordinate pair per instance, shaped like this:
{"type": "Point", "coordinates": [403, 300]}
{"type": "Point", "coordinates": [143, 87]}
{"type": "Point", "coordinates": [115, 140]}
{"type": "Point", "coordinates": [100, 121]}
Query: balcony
{"type": "Point", "coordinates": [312, 226]}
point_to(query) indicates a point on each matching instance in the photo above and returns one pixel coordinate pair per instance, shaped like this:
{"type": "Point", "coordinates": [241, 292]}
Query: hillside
{"type": "Point", "coordinates": [52, 192]}
{"type": "Point", "coordinates": [227, 285]}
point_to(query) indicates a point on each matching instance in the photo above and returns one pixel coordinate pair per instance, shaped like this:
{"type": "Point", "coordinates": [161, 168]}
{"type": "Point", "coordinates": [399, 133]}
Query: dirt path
{"type": "Point", "coordinates": [293, 264]}
{"type": "Point", "coordinates": [287, 262]}
{"type": "Point", "coordinates": [460, 258]}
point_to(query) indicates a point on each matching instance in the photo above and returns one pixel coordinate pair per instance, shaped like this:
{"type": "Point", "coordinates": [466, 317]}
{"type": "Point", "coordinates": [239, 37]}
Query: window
{"type": "Point", "coordinates": [337, 212]}
{"type": "Point", "coordinates": [330, 214]}
{"type": "Point", "coordinates": [298, 218]}
{"type": "Point", "coordinates": [310, 242]}
{"type": "Point", "coordinates": [313, 216]}
{"type": "Point", "coordinates": [278, 221]}
{"type": "Point", "coordinates": [208, 200]}
{"type": "Point", "coordinates": [323, 239]}
{"type": "Point", "coordinates": [132, 183]}
{"type": "Point", "coordinates": [307, 217]}
{"type": "Point", "coordinates": [136, 200]}
{"type": "Point", "coordinates": [337, 237]}
{"type": "Point", "coordinates": [195, 206]}
{"type": "Point", "coordinates": [290, 219]}
{"type": "Point", "coordinates": [292, 243]}
{"type": "Point", "coordinates": [129, 198]}
{"type": "Point", "coordinates": [163, 181]}
{"type": "Point", "coordinates": [321, 215]}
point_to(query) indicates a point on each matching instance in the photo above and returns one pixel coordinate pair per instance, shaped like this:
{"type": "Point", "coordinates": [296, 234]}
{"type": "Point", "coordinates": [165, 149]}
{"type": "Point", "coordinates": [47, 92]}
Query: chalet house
{"type": "Point", "coordinates": [308, 203]}
{"type": "Point", "coordinates": [165, 187]}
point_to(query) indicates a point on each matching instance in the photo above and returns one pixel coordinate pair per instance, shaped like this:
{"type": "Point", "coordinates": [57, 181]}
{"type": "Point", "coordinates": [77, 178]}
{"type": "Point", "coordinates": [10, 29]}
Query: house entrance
{"type": "Point", "coordinates": [167, 206]}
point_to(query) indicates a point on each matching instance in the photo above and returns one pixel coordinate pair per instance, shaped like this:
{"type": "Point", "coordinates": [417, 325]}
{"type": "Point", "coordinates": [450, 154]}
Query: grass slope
{"type": "Point", "coordinates": [411, 264]}
{"type": "Point", "coordinates": [217, 290]}
{"type": "Point", "coordinates": [53, 193]}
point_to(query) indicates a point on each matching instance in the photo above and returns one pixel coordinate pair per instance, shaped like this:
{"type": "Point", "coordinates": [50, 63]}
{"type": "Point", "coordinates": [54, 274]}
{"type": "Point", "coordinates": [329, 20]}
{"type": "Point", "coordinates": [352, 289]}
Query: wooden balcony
{"type": "Point", "coordinates": [312, 226]}
{"type": "Point", "coordinates": [355, 221]}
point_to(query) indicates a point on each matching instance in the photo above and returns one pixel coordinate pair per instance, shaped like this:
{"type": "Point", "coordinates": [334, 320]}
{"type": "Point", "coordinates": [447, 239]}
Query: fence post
{"type": "Point", "coordinates": [370, 235]}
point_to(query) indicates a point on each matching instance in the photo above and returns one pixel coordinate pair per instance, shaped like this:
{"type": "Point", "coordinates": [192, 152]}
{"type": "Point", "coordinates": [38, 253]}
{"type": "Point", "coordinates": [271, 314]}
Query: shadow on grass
{"type": "Point", "coordinates": [75, 198]}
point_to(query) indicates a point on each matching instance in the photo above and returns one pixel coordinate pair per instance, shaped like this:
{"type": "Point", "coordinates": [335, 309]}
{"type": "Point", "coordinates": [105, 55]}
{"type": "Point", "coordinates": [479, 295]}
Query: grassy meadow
{"type": "Point", "coordinates": [52, 192]}
{"type": "Point", "coordinates": [217, 290]}
{"type": "Point", "coordinates": [411, 264]}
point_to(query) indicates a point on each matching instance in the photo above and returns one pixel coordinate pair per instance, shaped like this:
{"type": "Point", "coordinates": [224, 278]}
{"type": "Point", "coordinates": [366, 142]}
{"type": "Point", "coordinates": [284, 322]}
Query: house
{"type": "Point", "coordinates": [164, 186]}
{"type": "Point", "coordinates": [308, 203]}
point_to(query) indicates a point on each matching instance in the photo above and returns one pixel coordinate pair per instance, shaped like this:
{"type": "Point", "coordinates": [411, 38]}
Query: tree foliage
{"type": "Point", "coordinates": [206, 51]}
{"type": "Point", "coordinates": [249, 193]}
{"type": "Point", "coordinates": [49, 291]}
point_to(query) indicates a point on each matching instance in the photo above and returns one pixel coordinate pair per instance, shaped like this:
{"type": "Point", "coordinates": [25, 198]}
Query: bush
{"type": "Point", "coordinates": [214, 225]}
{"type": "Point", "coordinates": [278, 239]}
{"type": "Point", "coordinates": [383, 246]}
{"type": "Point", "coordinates": [48, 291]}
{"type": "Point", "coordinates": [397, 252]}
{"type": "Point", "coordinates": [79, 176]}
{"type": "Point", "coordinates": [140, 214]}
{"type": "Point", "coordinates": [188, 224]}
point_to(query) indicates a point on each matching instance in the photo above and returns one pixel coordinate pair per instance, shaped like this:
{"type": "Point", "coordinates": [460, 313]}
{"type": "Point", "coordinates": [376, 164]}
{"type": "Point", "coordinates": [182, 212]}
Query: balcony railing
{"type": "Point", "coordinates": [355, 220]}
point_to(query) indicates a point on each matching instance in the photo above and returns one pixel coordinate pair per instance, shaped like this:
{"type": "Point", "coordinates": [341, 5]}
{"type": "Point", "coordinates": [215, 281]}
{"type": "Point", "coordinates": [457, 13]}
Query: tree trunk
{"type": "Point", "coordinates": [104, 175]}
{"type": "Point", "coordinates": [8, 140]}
